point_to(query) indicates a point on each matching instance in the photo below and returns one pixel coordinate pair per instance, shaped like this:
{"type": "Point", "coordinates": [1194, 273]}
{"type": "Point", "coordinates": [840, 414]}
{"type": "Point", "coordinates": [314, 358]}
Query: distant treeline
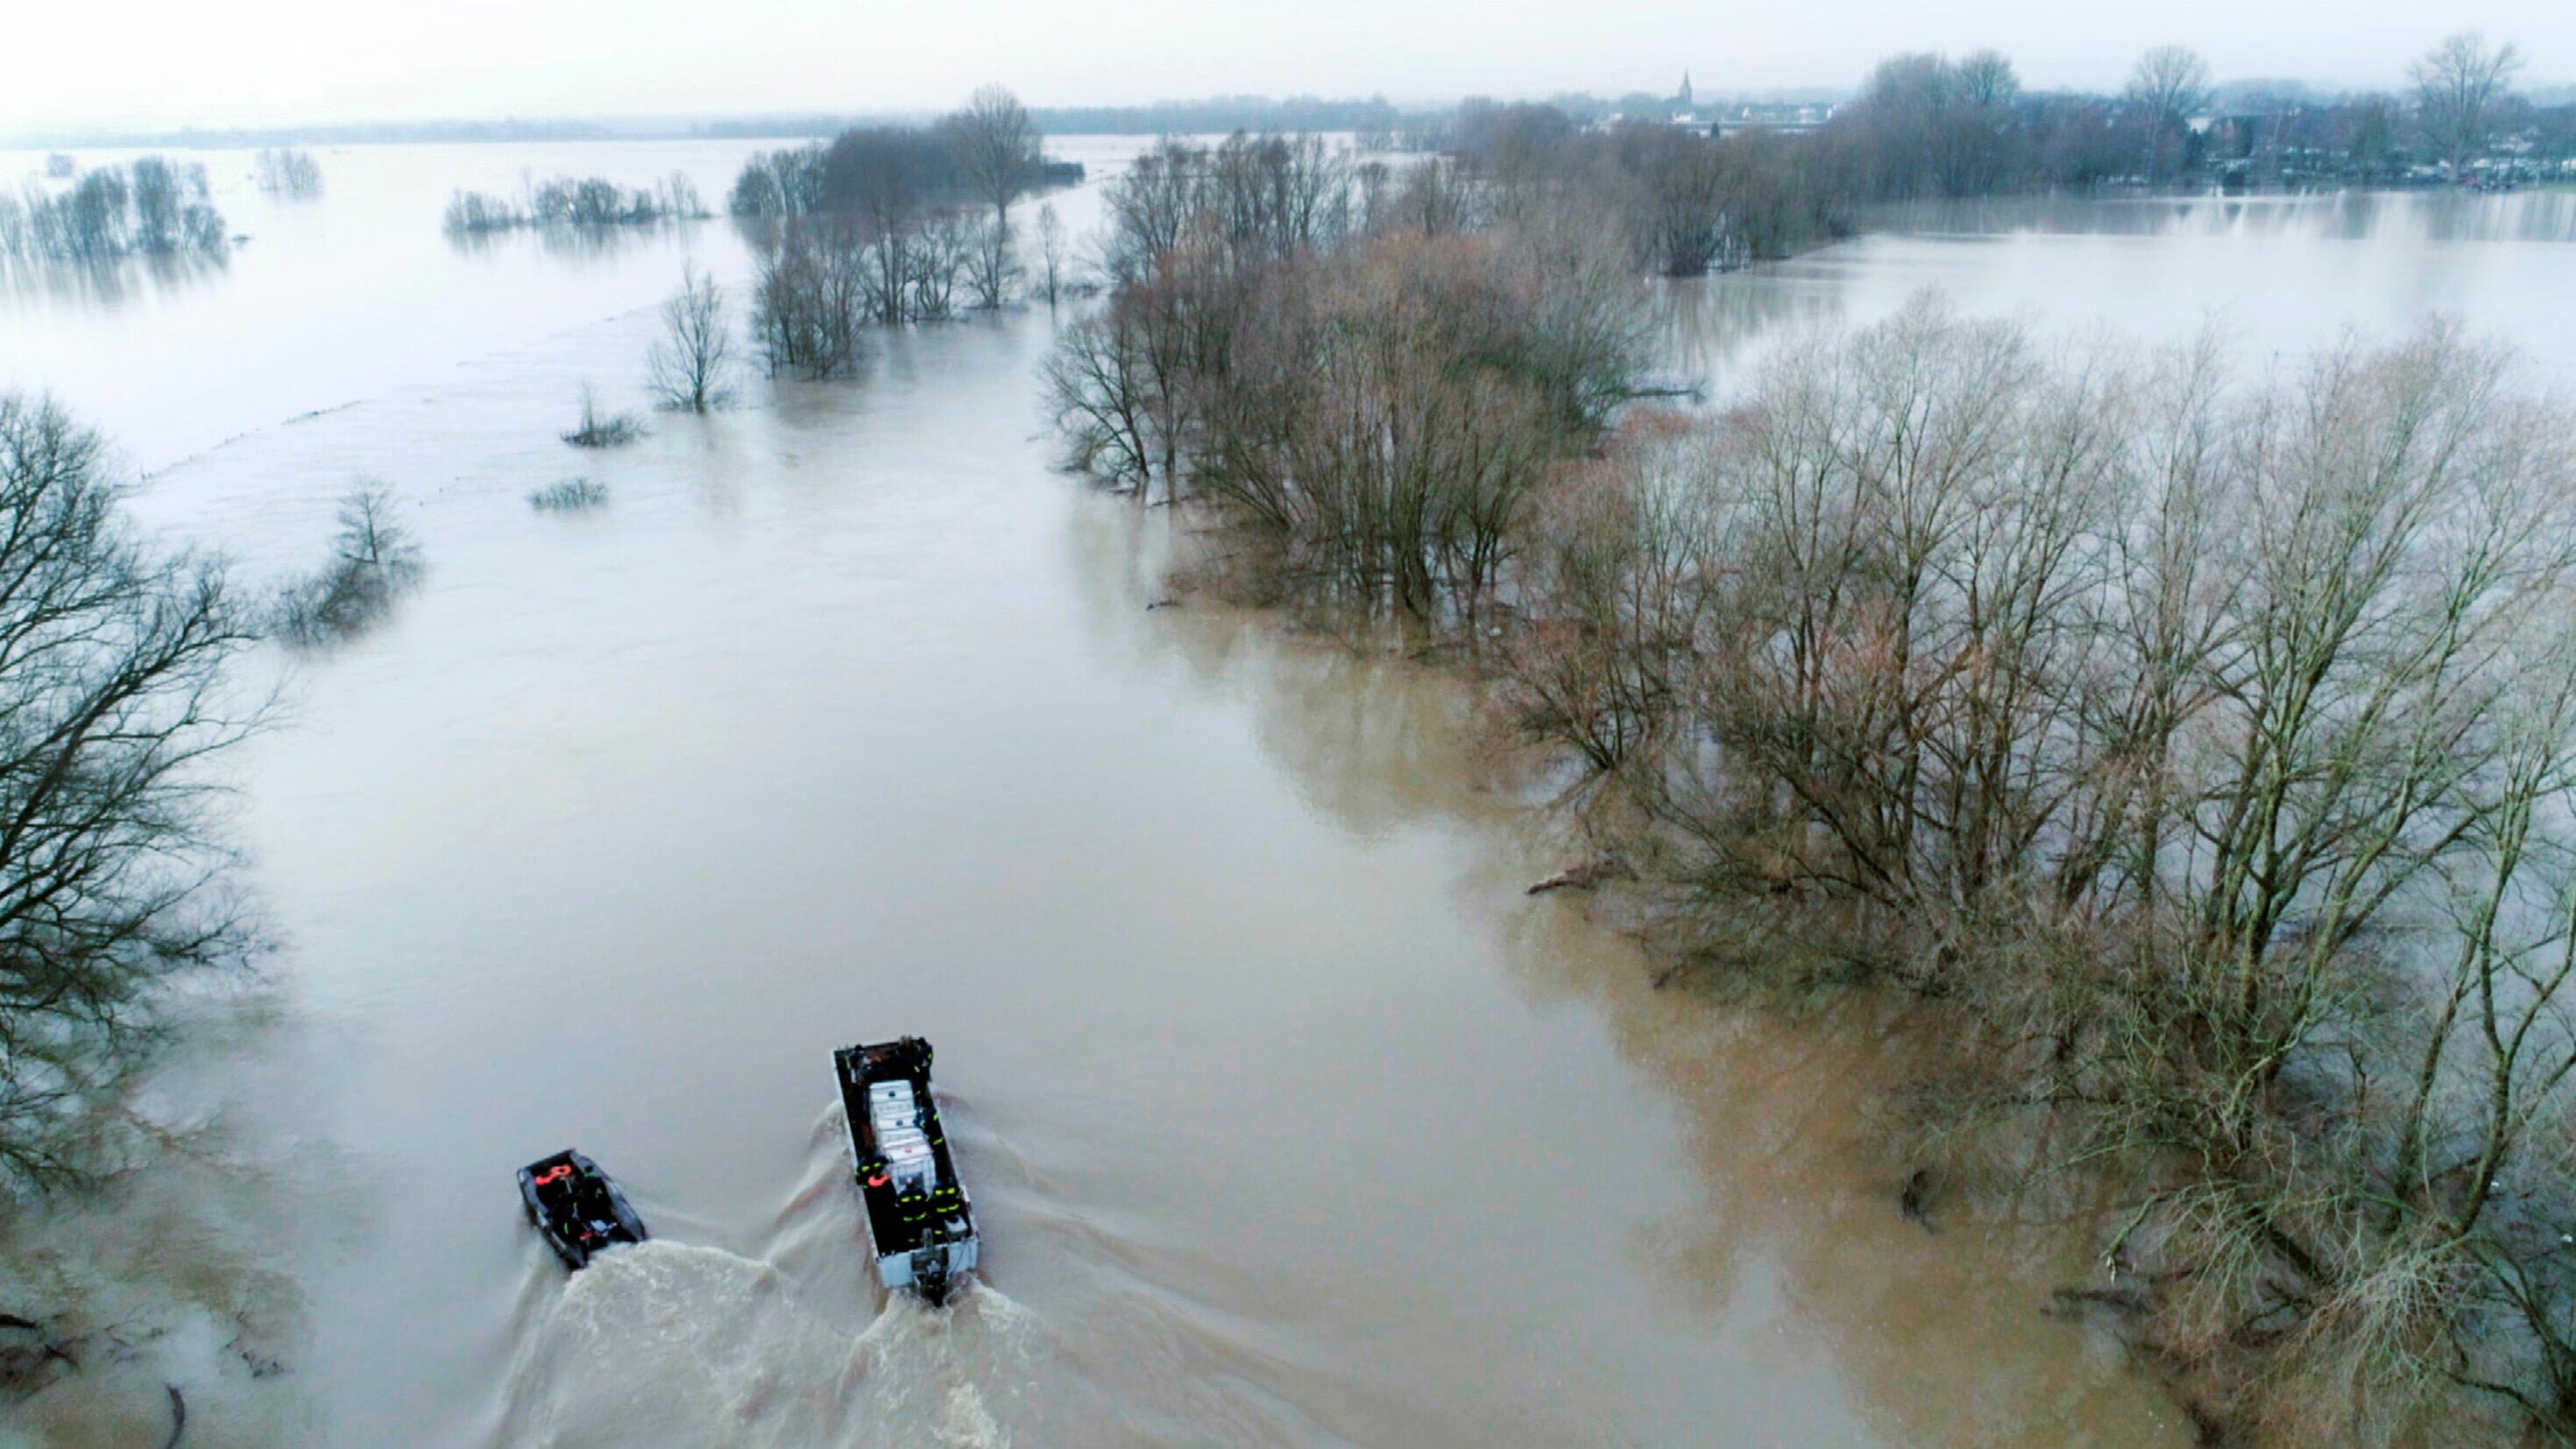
{"type": "Point", "coordinates": [576, 201]}
{"type": "Point", "coordinates": [389, 133]}
{"type": "Point", "coordinates": [1696, 197]}
{"type": "Point", "coordinates": [1213, 115]}
{"type": "Point", "coordinates": [155, 207]}
{"type": "Point", "coordinates": [1925, 125]}
{"type": "Point", "coordinates": [1218, 115]}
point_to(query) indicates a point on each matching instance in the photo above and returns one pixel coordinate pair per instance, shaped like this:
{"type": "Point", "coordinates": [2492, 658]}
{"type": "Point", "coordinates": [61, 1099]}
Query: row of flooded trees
{"type": "Point", "coordinates": [883, 226]}
{"type": "Point", "coordinates": [289, 171]}
{"type": "Point", "coordinates": [575, 201]}
{"type": "Point", "coordinates": [2201, 748]}
{"type": "Point", "coordinates": [1685, 202]}
{"type": "Point", "coordinates": [153, 207]}
{"type": "Point", "coordinates": [1333, 359]}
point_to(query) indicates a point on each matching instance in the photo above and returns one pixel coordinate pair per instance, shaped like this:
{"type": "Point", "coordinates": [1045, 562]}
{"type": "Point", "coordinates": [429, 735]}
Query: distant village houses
{"type": "Point", "coordinates": [1685, 112]}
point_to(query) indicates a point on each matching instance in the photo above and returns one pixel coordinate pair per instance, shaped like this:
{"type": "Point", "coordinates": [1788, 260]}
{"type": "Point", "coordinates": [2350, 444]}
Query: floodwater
{"type": "Point", "coordinates": [1290, 1119]}
{"type": "Point", "coordinates": [2274, 276]}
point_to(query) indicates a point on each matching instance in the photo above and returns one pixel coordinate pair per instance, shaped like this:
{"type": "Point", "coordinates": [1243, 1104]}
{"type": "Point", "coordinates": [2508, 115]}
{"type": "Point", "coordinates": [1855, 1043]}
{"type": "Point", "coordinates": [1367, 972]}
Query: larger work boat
{"type": "Point", "coordinates": [919, 1220]}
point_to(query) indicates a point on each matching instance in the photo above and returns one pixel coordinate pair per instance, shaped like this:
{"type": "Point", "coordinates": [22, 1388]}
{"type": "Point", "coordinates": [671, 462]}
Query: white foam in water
{"type": "Point", "coordinates": [670, 1344]}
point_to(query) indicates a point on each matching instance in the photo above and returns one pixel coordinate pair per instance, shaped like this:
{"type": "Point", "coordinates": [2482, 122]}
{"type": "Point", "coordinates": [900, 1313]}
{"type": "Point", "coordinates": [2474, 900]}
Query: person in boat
{"type": "Point", "coordinates": [560, 1188]}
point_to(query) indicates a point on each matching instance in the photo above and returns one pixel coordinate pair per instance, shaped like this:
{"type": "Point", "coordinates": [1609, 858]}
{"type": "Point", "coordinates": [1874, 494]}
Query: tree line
{"type": "Point", "coordinates": [2198, 747]}
{"type": "Point", "coordinates": [153, 207]}
{"type": "Point", "coordinates": [589, 201]}
{"type": "Point", "coordinates": [1926, 126]}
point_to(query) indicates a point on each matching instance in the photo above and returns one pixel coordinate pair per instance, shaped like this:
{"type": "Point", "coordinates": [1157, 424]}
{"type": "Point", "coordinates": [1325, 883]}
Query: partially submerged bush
{"type": "Point", "coordinates": [568, 496]}
{"type": "Point", "coordinates": [373, 561]}
{"type": "Point", "coordinates": [598, 430]}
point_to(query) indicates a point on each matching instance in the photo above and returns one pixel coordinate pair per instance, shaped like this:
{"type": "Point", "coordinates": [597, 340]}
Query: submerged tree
{"type": "Point", "coordinates": [688, 364]}
{"type": "Point", "coordinates": [812, 297]}
{"type": "Point", "coordinates": [155, 206]}
{"type": "Point", "coordinates": [997, 148]}
{"type": "Point", "coordinates": [111, 873]}
{"type": "Point", "coordinates": [1051, 252]}
{"type": "Point", "coordinates": [287, 171]}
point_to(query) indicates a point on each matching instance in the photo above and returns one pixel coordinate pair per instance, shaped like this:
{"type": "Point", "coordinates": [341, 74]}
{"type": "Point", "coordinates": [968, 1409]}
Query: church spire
{"type": "Point", "coordinates": [1686, 91]}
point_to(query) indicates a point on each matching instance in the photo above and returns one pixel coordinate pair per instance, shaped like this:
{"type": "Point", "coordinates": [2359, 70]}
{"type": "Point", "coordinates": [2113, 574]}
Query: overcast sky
{"type": "Point", "coordinates": [74, 63]}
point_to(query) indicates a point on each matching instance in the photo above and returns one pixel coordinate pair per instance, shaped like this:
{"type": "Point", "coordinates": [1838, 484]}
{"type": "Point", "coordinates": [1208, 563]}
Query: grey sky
{"type": "Point", "coordinates": [75, 63]}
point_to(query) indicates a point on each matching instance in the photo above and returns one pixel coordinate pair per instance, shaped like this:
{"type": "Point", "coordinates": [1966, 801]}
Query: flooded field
{"type": "Point", "coordinates": [1290, 1118]}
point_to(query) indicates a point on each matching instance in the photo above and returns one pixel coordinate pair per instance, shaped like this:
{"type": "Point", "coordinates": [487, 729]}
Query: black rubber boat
{"type": "Point", "coordinates": [919, 1220]}
{"type": "Point", "coordinates": [578, 1209]}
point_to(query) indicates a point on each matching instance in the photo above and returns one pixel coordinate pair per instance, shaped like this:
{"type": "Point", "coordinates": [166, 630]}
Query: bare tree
{"type": "Point", "coordinates": [938, 256]}
{"type": "Point", "coordinates": [1051, 252]}
{"type": "Point", "coordinates": [2171, 85]}
{"type": "Point", "coordinates": [1102, 384]}
{"type": "Point", "coordinates": [1151, 205]}
{"type": "Point", "coordinates": [816, 289]}
{"type": "Point", "coordinates": [2171, 82]}
{"type": "Point", "coordinates": [782, 183]}
{"type": "Point", "coordinates": [2458, 86]}
{"type": "Point", "coordinates": [156, 204]}
{"type": "Point", "coordinates": [1986, 78]}
{"type": "Point", "coordinates": [1683, 207]}
{"type": "Point", "coordinates": [371, 538]}
{"type": "Point", "coordinates": [997, 148]}
{"type": "Point", "coordinates": [111, 886]}
{"type": "Point", "coordinates": [992, 269]}
{"type": "Point", "coordinates": [688, 365]}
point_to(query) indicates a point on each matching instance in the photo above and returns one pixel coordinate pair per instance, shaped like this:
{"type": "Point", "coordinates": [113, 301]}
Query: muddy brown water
{"type": "Point", "coordinates": [1290, 1118]}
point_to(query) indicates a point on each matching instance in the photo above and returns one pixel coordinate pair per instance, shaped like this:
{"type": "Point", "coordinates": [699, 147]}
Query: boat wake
{"type": "Point", "coordinates": [672, 1344]}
